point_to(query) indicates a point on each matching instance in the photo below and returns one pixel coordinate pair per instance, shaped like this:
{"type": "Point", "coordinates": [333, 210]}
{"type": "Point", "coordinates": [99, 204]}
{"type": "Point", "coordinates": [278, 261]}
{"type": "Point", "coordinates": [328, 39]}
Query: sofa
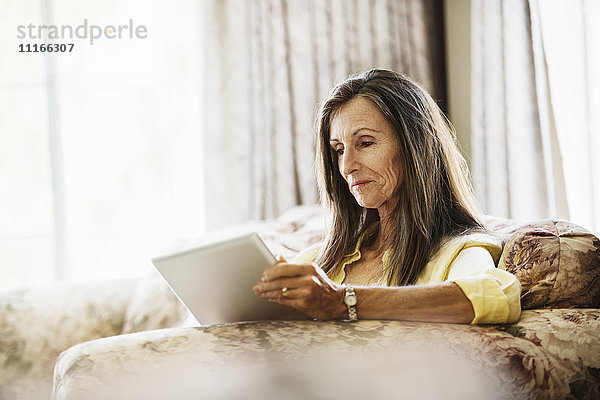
{"type": "Point", "coordinates": [132, 339]}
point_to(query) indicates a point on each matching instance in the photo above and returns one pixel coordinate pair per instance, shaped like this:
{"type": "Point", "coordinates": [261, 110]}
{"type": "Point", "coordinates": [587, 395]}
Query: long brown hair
{"type": "Point", "coordinates": [436, 197]}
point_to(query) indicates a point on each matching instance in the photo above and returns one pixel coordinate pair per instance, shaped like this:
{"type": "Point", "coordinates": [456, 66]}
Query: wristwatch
{"type": "Point", "coordinates": [350, 301]}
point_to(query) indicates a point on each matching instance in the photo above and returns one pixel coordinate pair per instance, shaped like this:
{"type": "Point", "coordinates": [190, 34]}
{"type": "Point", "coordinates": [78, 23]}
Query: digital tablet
{"type": "Point", "coordinates": [215, 281]}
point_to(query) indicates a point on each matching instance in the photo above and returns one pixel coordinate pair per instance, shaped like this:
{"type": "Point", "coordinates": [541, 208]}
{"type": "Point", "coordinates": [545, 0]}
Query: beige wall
{"type": "Point", "coordinates": [457, 19]}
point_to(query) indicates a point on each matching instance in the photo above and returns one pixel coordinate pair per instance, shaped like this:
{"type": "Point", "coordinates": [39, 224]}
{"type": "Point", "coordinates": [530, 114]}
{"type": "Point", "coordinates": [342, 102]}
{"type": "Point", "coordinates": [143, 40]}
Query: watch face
{"type": "Point", "coordinates": [350, 300]}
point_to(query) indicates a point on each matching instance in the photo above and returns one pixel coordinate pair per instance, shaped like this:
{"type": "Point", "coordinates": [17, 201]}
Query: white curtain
{"type": "Point", "coordinates": [267, 65]}
{"type": "Point", "coordinates": [535, 109]}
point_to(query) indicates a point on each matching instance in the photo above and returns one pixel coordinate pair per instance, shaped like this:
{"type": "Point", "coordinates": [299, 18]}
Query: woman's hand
{"type": "Point", "coordinates": [308, 289]}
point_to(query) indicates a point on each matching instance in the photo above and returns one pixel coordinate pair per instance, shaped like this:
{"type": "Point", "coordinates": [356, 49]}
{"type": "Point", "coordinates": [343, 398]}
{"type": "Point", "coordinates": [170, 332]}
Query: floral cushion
{"type": "Point", "coordinates": [557, 263]}
{"type": "Point", "coordinates": [37, 325]}
{"type": "Point", "coordinates": [154, 306]}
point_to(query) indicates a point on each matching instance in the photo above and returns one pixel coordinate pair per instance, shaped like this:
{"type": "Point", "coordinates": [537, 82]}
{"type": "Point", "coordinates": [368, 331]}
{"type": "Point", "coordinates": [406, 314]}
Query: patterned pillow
{"type": "Point", "coordinates": [557, 263]}
{"type": "Point", "coordinates": [154, 306]}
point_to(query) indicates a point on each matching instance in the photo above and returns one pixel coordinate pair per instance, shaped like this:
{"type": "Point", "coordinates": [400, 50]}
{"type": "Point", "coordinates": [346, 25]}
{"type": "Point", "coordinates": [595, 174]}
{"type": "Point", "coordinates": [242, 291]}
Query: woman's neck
{"type": "Point", "coordinates": [384, 237]}
{"type": "Point", "coordinates": [386, 225]}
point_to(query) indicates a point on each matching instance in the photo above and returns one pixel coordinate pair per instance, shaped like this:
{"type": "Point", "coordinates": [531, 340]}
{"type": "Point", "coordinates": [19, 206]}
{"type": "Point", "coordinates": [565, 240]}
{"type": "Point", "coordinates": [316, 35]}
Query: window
{"type": "Point", "coordinates": [100, 148]}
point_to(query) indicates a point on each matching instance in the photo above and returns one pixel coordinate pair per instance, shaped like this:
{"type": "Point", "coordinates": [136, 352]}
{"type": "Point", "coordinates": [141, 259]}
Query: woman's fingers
{"type": "Point", "coordinates": [291, 293]}
{"type": "Point", "coordinates": [303, 286]}
{"type": "Point", "coordinates": [282, 270]}
{"type": "Point", "coordinates": [279, 284]}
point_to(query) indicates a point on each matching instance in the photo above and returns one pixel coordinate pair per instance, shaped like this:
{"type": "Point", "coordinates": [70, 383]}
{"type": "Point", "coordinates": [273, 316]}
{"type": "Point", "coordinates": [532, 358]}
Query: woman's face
{"type": "Point", "coordinates": [368, 154]}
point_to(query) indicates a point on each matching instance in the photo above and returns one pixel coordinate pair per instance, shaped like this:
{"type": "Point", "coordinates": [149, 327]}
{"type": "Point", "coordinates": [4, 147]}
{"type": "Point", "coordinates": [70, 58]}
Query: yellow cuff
{"type": "Point", "coordinates": [494, 295]}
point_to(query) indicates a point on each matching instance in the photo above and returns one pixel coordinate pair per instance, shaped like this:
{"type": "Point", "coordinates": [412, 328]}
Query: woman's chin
{"type": "Point", "coordinates": [365, 203]}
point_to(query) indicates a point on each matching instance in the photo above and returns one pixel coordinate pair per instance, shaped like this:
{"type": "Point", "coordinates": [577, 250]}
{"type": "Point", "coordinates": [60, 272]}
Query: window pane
{"type": "Point", "coordinates": [129, 117]}
{"type": "Point", "coordinates": [127, 113]}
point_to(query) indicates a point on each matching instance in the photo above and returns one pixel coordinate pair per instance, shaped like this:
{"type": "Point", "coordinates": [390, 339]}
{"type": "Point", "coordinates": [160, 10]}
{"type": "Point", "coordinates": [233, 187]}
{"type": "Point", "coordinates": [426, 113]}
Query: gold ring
{"type": "Point", "coordinates": [284, 291]}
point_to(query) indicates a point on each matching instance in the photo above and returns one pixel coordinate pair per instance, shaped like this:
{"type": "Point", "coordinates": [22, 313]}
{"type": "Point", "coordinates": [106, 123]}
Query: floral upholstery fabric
{"type": "Point", "coordinates": [37, 325]}
{"type": "Point", "coordinates": [548, 354]}
{"type": "Point", "coordinates": [557, 263]}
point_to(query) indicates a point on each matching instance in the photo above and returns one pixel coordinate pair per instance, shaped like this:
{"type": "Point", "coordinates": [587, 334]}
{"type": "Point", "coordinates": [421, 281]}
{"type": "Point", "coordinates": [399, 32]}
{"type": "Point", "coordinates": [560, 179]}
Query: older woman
{"type": "Point", "coordinates": [405, 240]}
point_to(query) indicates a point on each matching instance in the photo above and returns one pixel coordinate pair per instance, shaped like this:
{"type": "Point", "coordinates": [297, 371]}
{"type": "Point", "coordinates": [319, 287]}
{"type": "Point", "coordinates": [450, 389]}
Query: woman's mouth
{"type": "Point", "coordinates": [360, 184]}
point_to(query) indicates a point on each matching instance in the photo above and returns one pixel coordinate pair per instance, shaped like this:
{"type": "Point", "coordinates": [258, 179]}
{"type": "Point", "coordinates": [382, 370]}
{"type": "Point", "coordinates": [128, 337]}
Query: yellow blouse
{"type": "Point", "coordinates": [494, 293]}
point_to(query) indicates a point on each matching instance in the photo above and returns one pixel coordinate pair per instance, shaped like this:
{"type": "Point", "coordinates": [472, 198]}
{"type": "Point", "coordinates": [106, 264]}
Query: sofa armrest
{"type": "Point", "coordinates": [311, 359]}
{"type": "Point", "coordinates": [258, 360]}
{"type": "Point", "coordinates": [36, 325]}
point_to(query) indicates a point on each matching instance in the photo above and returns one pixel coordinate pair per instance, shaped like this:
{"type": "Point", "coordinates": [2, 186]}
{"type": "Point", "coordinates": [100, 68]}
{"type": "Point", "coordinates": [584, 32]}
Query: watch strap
{"type": "Point", "coordinates": [352, 314]}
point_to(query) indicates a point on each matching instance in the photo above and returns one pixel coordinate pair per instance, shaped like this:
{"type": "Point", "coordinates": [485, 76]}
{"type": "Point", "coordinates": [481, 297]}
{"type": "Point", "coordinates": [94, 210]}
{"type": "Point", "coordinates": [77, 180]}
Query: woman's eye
{"type": "Point", "coordinates": [339, 152]}
{"type": "Point", "coordinates": [366, 144]}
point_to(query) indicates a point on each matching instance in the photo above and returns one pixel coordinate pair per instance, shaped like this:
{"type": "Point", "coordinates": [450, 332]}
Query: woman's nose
{"type": "Point", "coordinates": [349, 162]}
